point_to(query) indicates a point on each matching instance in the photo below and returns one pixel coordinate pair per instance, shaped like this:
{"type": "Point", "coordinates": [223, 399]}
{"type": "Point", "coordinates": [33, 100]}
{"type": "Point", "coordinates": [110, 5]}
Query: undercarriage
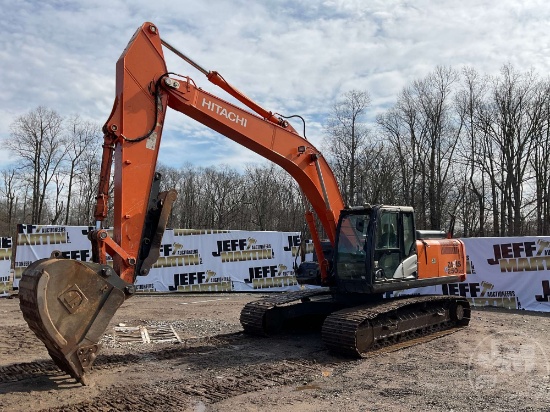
{"type": "Point", "coordinates": [356, 330]}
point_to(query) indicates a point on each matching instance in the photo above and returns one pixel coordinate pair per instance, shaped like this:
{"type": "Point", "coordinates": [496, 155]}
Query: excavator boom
{"type": "Point", "coordinates": [133, 133]}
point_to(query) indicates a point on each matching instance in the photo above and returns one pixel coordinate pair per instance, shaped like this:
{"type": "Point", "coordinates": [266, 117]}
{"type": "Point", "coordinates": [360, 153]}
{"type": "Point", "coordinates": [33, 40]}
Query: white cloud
{"type": "Point", "coordinates": [294, 57]}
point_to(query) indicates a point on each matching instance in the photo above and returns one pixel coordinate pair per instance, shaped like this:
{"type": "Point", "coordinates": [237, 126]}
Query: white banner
{"type": "Point", "coordinates": [190, 260]}
{"type": "Point", "coordinates": [5, 266]}
{"type": "Point", "coordinates": [36, 242]}
{"type": "Point", "coordinates": [504, 272]}
{"type": "Point", "coordinates": [512, 273]}
{"type": "Point", "coordinates": [214, 261]}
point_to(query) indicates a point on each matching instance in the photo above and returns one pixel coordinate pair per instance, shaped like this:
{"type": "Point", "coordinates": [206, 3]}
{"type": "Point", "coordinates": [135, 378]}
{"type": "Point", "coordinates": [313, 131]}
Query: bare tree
{"type": "Point", "coordinates": [261, 194]}
{"type": "Point", "coordinates": [474, 152]}
{"type": "Point", "coordinates": [479, 149]}
{"type": "Point", "coordinates": [379, 183]}
{"type": "Point", "coordinates": [512, 118]}
{"type": "Point", "coordinates": [188, 190]}
{"type": "Point", "coordinates": [423, 130]}
{"type": "Point", "coordinates": [346, 134]}
{"type": "Point", "coordinates": [36, 139]}
{"type": "Point", "coordinates": [9, 187]}
{"type": "Point", "coordinates": [81, 138]}
{"type": "Point", "coordinates": [540, 162]}
{"type": "Point", "coordinates": [86, 180]}
{"type": "Point", "coordinates": [59, 200]}
{"type": "Point", "coordinates": [439, 142]}
{"type": "Point", "coordinates": [273, 199]}
{"type": "Point", "coordinates": [398, 126]}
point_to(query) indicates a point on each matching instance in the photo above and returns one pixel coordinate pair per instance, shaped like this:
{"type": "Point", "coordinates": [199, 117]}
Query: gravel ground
{"type": "Point", "coordinates": [501, 362]}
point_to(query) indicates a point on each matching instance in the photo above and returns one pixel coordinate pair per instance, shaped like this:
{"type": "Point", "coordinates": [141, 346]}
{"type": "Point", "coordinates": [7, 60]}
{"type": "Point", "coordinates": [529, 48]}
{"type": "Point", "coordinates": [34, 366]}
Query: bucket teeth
{"type": "Point", "coordinates": [68, 305]}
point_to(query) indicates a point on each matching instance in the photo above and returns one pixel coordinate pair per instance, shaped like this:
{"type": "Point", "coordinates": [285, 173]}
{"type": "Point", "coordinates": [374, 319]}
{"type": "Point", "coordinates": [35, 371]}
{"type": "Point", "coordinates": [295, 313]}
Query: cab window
{"type": "Point", "coordinates": [387, 236]}
{"type": "Point", "coordinates": [351, 257]}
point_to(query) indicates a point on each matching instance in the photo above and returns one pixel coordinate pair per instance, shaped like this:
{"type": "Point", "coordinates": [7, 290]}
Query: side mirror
{"type": "Point", "coordinates": [360, 225]}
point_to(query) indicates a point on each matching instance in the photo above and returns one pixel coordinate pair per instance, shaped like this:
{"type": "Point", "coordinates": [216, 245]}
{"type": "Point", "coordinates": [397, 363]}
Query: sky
{"type": "Point", "coordinates": [290, 56]}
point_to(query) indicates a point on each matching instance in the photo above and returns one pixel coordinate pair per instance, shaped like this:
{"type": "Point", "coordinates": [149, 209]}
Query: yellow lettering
{"type": "Point", "coordinates": [508, 265]}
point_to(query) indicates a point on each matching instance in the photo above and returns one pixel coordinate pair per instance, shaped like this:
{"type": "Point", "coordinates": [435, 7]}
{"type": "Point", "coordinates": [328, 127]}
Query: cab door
{"type": "Point", "coordinates": [395, 253]}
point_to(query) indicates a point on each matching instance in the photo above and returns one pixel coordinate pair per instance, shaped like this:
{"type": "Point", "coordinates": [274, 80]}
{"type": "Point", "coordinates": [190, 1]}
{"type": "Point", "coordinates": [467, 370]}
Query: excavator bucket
{"type": "Point", "coordinates": [68, 305]}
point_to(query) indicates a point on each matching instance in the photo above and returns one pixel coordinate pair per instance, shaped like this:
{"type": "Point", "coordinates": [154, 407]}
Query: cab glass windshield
{"type": "Point", "coordinates": [351, 247]}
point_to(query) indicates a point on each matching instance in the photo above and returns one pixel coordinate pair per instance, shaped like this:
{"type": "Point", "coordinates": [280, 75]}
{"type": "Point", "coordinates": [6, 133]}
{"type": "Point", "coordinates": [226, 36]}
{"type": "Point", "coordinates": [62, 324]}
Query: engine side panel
{"type": "Point", "coordinates": [440, 258]}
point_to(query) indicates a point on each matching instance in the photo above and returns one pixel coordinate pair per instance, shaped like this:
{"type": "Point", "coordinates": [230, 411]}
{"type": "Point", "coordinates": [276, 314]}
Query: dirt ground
{"type": "Point", "coordinates": [500, 362]}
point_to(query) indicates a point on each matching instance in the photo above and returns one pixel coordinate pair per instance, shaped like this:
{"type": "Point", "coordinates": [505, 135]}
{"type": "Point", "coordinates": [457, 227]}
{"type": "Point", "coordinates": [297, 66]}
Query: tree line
{"type": "Point", "coordinates": [455, 143]}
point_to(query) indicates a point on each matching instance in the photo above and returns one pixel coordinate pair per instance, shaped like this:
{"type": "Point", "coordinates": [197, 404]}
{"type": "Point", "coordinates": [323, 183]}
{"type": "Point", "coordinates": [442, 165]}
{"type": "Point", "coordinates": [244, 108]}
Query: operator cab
{"type": "Point", "coordinates": [375, 246]}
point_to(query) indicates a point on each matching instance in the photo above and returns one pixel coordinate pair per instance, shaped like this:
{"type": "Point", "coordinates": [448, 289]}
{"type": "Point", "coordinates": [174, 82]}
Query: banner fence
{"type": "Point", "coordinates": [6, 276]}
{"type": "Point", "coordinates": [190, 260]}
{"type": "Point", "coordinates": [511, 273]}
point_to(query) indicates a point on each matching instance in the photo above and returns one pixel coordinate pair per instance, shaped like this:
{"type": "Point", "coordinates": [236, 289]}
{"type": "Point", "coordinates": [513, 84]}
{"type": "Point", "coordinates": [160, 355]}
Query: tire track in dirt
{"type": "Point", "coordinates": [222, 370]}
{"type": "Point", "coordinates": [17, 339]}
{"type": "Point", "coordinates": [28, 370]}
{"type": "Point", "coordinates": [210, 387]}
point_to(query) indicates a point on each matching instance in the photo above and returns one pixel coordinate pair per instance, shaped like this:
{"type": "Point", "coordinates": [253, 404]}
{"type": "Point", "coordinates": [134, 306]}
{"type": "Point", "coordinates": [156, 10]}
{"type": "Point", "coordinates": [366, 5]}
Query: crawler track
{"type": "Point", "coordinates": [357, 331]}
{"type": "Point", "coordinates": [254, 316]}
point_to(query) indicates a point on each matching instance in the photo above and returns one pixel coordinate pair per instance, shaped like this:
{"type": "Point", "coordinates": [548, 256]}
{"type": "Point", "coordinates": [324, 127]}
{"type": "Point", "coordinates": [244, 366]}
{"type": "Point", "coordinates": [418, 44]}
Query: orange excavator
{"type": "Point", "coordinates": [371, 250]}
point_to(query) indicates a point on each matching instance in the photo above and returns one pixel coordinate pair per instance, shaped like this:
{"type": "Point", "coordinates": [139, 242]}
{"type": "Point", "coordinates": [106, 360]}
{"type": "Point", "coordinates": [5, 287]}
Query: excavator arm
{"type": "Point", "coordinates": [68, 304]}
{"type": "Point", "coordinates": [133, 134]}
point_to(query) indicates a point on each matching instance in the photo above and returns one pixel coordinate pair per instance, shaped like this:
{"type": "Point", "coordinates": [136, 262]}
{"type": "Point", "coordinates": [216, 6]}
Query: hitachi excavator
{"type": "Point", "coordinates": [372, 250]}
